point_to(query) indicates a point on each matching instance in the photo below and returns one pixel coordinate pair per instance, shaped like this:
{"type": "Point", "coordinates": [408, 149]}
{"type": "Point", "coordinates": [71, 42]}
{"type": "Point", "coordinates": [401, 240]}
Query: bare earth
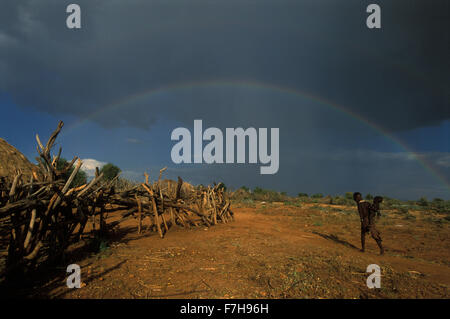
{"type": "Point", "coordinates": [269, 251]}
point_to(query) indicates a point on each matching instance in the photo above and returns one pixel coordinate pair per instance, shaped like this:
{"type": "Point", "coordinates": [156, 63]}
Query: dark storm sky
{"type": "Point", "coordinates": [396, 78]}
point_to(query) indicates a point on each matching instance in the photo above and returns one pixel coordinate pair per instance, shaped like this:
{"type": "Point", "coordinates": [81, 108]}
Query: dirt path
{"type": "Point", "coordinates": [281, 254]}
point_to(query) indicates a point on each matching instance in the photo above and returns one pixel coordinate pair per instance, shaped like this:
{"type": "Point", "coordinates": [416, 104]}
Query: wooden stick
{"type": "Point", "coordinates": [95, 180]}
{"type": "Point", "coordinates": [179, 185]}
{"type": "Point", "coordinates": [139, 213]}
{"type": "Point", "coordinates": [181, 219]}
{"type": "Point", "coordinates": [164, 222]}
{"type": "Point", "coordinates": [12, 192]}
{"type": "Point", "coordinates": [35, 251]}
{"type": "Point", "coordinates": [155, 210]}
{"type": "Point", "coordinates": [160, 174]}
{"type": "Point", "coordinates": [172, 216]}
{"type": "Point", "coordinates": [30, 228]}
{"type": "Point", "coordinates": [215, 209]}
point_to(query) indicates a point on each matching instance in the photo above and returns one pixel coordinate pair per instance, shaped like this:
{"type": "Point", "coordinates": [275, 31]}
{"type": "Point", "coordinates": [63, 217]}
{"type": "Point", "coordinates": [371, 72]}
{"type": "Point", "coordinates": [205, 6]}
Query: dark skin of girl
{"type": "Point", "coordinates": [367, 213]}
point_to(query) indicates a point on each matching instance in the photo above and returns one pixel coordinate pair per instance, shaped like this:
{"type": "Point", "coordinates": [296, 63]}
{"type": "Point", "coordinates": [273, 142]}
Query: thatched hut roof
{"type": "Point", "coordinates": [12, 161]}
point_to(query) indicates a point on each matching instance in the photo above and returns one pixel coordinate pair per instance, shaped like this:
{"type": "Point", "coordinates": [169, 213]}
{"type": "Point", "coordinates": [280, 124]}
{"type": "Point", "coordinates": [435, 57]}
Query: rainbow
{"type": "Point", "coordinates": [255, 85]}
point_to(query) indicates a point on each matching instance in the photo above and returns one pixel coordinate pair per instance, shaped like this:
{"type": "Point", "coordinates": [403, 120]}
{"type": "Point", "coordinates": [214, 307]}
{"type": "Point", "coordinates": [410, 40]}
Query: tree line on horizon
{"type": "Point", "coordinates": [346, 199]}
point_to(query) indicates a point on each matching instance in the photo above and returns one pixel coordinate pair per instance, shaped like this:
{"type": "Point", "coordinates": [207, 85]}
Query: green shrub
{"type": "Point", "coordinates": [246, 189]}
{"type": "Point", "coordinates": [423, 202]}
{"type": "Point", "coordinates": [440, 205]}
{"type": "Point", "coordinates": [267, 195]}
{"type": "Point", "coordinates": [110, 171]}
{"type": "Point", "coordinates": [258, 190]}
{"type": "Point", "coordinates": [293, 203]}
{"type": "Point", "coordinates": [343, 201]}
{"type": "Point", "coordinates": [318, 223]}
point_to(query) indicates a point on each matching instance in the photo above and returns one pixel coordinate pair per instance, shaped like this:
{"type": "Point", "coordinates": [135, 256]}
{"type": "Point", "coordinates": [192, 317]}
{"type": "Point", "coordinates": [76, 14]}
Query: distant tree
{"type": "Point", "coordinates": [80, 177]}
{"type": "Point", "coordinates": [442, 206]}
{"type": "Point", "coordinates": [245, 188]}
{"type": "Point", "coordinates": [258, 190]}
{"type": "Point", "coordinates": [369, 197]}
{"type": "Point", "coordinates": [318, 195]}
{"type": "Point", "coordinates": [110, 171]}
{"type": "Point", "coordinates": [423, 201]}
{"type": "Point", "coordinates": [349, 195]}
{"type": "Point", "coordinates": [340, 200]}
{"type": "Point", "coordinates": [302, 195]}
{"type": "Point", "coordinates": [283, 193]}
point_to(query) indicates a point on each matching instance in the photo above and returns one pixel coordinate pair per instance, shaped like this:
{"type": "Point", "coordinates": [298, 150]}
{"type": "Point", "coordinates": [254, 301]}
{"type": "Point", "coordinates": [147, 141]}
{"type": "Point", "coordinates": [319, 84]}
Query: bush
{"type": "Point", "coordinates": [246, 189]}
{"type": "Point", "coordinates": [318, 195]}
{"type": "Point", "coordinates": [440, 205]}
{"type": "Point", "coordinates": [391, 203]}
{"type": "Point", "coordinates": [349, 195]}
{"type": "Point", "coordinates": [293, 203]}
{"type": "Point", "coordinates": [302, 195]}
{"type": "Point", "coordinates": [110, 171]}
{"type": "Point", "coordinates": [343, 201]}
{"type": "Point", "coordinates": [258, 190]}
{"type": "Point", "coordinates": [268, 195]}
{"type": "Point", "coordinates": [423, 202]}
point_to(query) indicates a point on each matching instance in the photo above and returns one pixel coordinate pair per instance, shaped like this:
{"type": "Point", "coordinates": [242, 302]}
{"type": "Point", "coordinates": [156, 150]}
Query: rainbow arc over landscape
{"type": "Point", "coordinates": [167, 89]}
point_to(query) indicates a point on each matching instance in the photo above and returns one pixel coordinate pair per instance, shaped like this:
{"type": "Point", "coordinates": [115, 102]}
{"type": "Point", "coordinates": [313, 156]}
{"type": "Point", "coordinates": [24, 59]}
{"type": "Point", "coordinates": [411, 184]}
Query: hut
{"type": "Point", "coordinates": [12, 161]}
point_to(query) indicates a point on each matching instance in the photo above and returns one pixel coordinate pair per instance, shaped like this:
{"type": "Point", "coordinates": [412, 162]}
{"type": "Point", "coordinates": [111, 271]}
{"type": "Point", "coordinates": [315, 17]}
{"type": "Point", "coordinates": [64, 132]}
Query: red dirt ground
{"type": "Point", "coordinates": [269, 251]}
